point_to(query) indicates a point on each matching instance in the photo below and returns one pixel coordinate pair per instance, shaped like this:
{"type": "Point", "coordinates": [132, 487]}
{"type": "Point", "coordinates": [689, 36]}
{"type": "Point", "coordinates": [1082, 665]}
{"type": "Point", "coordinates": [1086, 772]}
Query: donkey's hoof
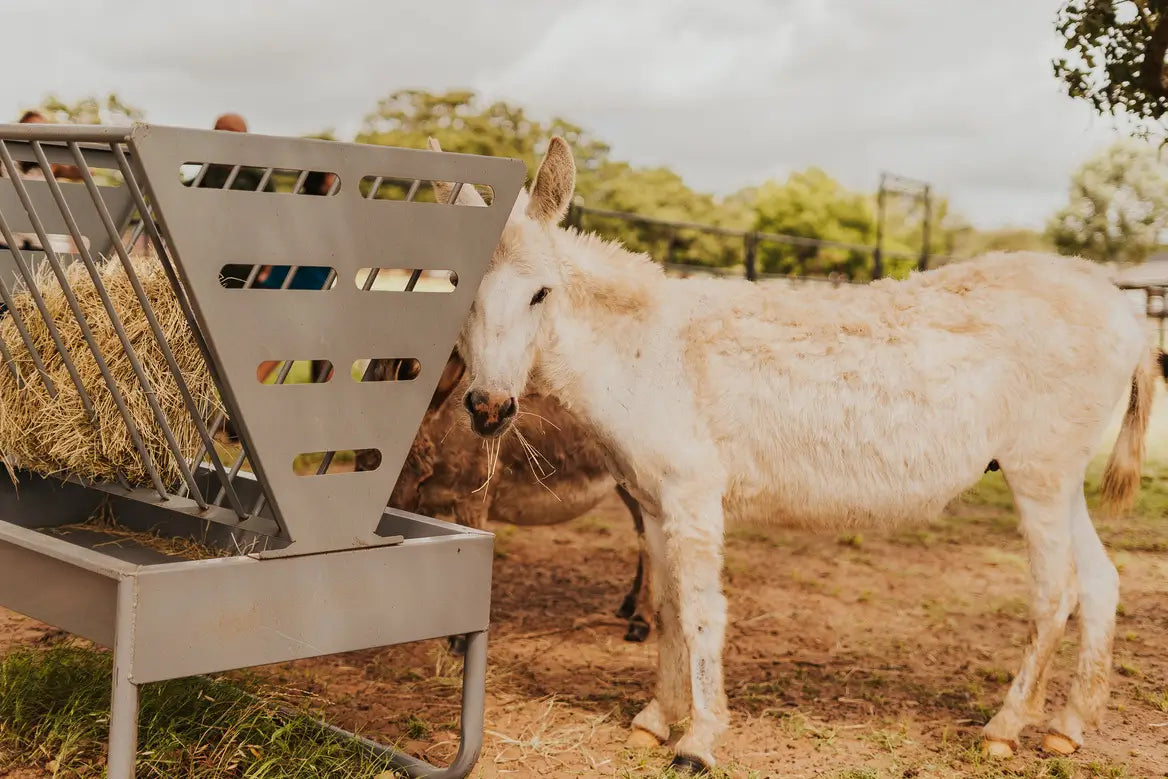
{"type": "Point", "coordinates": [997, 749]}
{"type": "Point", "coordinates": [456, 645]}
{"type": "Point", "coordinates": [1058, 744]}
{"type": "Point", "coordinates": [628, 607]}
{"type": "Point", "coordinates": [689, 766]}
{"type": "Point", "coordinates": [638, 629]}
{"type": "Point", "coordinates": [640, 738]}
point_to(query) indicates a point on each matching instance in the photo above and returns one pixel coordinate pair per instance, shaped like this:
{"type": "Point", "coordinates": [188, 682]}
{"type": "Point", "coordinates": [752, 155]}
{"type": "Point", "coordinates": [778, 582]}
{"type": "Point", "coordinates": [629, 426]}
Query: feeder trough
{"type": "Point", "coordinates": [307, 563]}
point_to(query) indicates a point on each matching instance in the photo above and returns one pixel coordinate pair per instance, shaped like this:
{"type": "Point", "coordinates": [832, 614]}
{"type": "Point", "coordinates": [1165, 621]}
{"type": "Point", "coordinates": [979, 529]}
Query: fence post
{"type": "Point", "coordinates": [671, 247]}
{"type": "Point", "coordinates": [878, 252]}
{"type": "Point", "coordinates": [923, 265]}
{"type": "Point", "coordinates": [751, 250]}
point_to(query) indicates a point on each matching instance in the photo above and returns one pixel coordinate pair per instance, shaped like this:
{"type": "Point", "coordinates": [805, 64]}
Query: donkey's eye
{"type": "Point", "coordinates": [538, 297]}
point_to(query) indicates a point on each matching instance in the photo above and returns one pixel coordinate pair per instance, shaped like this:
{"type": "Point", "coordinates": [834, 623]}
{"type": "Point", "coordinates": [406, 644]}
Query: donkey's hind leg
{"type": "Point", "coordinates": [632, 607]}
{"type": "Point", "coordinates": [1098, 597]}
{"type": "Point", "coordinates": [1046, 524]}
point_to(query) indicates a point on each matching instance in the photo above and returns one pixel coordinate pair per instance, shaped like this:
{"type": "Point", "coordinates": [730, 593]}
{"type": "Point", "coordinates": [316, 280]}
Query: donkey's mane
{"type": "Point", "coordinates": [603, 273]}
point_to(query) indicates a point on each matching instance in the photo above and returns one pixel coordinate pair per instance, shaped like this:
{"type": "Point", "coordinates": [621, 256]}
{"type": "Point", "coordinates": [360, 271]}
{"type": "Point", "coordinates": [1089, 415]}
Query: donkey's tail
{"type": "Point", "coordinates": [1121, 477]}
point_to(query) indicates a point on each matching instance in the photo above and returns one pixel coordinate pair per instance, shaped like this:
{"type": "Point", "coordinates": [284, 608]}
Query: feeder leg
{"type": "Point", "coordinates": [474, 695]}
{"type": "Point", "coordinates": [474, 683]}
{"type": "Point", "coordinates": [123, 736]}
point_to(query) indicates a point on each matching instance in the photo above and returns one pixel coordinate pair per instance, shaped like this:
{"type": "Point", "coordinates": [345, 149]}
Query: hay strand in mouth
{"type": "Point", "coordinates": [54, 435]}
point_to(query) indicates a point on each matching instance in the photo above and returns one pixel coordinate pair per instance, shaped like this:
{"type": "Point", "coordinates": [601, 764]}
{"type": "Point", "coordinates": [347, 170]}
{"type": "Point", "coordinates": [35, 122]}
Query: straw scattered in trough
{"type": "Point", "coordinates": [54, 435]}
{"type": "Point", "coordinates": [105, 521]}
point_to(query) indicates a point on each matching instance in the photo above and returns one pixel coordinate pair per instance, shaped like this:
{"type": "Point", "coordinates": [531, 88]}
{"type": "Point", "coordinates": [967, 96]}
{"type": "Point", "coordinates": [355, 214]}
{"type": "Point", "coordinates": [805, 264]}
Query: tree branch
{"type": "Point", "coordinates": [1153, 74]}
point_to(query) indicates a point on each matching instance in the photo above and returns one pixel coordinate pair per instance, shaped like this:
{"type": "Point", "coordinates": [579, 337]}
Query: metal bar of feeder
{"type": "Point", "coordinates": [231, 177]}
{"type": "Point", "coordinates": [18, 321]}
{"type": "Point", "coordinates": [155, 327]}
{"type": "Point", "coordinates": [373, 190]}
{"type": "Point", "coordinates": [264, 180]}
{"type": "Point", "coordinates": [30, 284]}
{"type": "Point", "coordinates": [135, 235]}
{"type": "Point", "coordinates": [202, 174]}
{"type": "Point", "coordinates": [64, 132]}
{"type": "Point", "coordinates": [180, 294]}
{"type": "Point", "coordinates": [87, 258]}
{"type": "Point", "coordinates": [299, 182]}
{"type": "Point", "coordinates": [11, 363]}
{"type": "Point", "coordinates": [82, 324]}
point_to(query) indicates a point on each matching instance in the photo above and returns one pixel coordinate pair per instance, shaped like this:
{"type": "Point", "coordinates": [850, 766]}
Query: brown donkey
{"type": "Point", "coordinates": [562, 477]}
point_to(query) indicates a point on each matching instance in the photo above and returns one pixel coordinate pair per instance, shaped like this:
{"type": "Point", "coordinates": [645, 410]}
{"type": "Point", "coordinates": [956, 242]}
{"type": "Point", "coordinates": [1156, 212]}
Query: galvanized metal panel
{"type": "Point", "coordinates": [58, 592]}
{"type": "Point", "coordinates": [242, 612]}
{"type": "Point", "coordinates": [42, 501]}
{"type": "Point", "coordinates": [209, 228]}
{"type": "Point", "coordinates": [117, 199]}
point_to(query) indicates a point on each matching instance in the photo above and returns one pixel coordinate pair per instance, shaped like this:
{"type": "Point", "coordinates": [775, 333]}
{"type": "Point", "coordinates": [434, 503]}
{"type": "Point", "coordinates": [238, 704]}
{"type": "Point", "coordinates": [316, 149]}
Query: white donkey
{"type": "Point", "coordinates": [724, 401]}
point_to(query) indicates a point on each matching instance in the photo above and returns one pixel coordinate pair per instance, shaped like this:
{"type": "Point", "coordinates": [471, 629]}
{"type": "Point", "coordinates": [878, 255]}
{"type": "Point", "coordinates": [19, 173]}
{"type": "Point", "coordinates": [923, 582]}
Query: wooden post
{"type": "Point", "coordinates": [750, 255]}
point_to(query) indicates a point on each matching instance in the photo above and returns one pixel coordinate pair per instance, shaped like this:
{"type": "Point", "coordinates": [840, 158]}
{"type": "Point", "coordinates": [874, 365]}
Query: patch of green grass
{"type": "Point", "coordinates": [991, 492]}
{"type": "Point", "coordinates": [504, 538]}
{"type": "Point", "coordinates": [858, 773]}
{"type": "Point", "coordinates": [995, 675]}
{"type": "Point", "coordinates": [1127, 669]}
{"type": "Point", "coordinates": [854, 540]}
{"type": "Point", "coordinates": [1107, 770]}
{"type": "Point", "coordinates": [55, 707]}
{"type": "Point", "coordinates": [417, 728]}
{"type": "Point", "coordinates": [1158, 699]}
{"type": "Point", "coordinates": [590, 524]}
{"type": "Point", "coordinates": [755, 536]}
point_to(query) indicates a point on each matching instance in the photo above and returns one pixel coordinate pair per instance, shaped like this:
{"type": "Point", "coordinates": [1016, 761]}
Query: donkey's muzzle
{"type": "Point", "coordinates": [489, 414]}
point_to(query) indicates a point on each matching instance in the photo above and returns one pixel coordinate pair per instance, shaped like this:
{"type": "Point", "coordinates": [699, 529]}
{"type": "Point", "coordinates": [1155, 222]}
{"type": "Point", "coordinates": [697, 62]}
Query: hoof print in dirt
{"type": "Point", "coordinates": [689, 766]}
{"type": "Point", "coordinates": [638, 630]}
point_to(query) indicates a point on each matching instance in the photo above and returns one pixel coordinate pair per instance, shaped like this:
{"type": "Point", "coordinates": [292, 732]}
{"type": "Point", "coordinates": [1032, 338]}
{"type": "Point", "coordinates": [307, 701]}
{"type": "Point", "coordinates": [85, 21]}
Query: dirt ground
{"type": "Point", "coordinates": [874, 655]}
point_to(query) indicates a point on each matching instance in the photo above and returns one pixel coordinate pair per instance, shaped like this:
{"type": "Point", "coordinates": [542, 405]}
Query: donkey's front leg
{"type": "Point", "coordinates": [670, 701]}
{"type": "Point", "coordinates": [693, 525]}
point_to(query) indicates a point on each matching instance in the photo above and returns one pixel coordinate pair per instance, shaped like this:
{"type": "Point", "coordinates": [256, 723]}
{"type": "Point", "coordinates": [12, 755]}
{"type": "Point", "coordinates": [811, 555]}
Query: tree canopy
{"type": "Point", "coordinates": [89, 110]}
{"type": "Point", "coordinates": [808, 203]}
{"type": "Point", "coordinates": [1116, 58]}
{"type": "Point", "coordinates": [1118, 206]}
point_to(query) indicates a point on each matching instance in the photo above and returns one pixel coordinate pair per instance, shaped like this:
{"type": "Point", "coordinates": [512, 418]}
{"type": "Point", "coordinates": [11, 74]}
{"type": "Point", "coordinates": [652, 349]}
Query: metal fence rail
{"type": "Point", "coordinates": [751, 240]}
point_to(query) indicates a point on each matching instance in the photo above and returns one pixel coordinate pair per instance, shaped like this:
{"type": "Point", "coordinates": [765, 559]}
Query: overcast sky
{"type": "Point", "coordinates": [728, 93]}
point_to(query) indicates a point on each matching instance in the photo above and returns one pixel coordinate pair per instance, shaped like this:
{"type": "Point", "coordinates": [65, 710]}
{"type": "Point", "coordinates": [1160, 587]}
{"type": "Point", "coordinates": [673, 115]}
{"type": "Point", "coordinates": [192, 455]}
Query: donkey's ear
{"type": "Point", "coordinates": [555, 181]}
{"type": "Point", "coordinates": [467, 195]}
{"type": "Point", "coordinates": [451, 375]}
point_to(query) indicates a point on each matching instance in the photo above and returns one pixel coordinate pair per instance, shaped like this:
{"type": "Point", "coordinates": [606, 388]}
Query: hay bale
{"type": "Point", "coordinates": [54, 435]}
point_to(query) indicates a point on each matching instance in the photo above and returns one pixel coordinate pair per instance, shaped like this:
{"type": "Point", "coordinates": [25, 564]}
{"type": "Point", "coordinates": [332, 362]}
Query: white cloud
{"type": "Point", "coordinates": [958, 94]}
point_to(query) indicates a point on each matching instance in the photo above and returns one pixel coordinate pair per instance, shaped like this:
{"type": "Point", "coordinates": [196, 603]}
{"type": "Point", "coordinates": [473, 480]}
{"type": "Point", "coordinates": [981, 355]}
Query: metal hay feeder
{"type": "Point", "coordinates": [313, 565]}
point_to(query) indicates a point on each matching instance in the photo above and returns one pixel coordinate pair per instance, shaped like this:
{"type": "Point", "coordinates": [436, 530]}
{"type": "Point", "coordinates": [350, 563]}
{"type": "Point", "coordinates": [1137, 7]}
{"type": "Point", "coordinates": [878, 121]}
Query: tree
{"type": "Point", "coordinates": [90, 110]}
{"type": "Point", "coordinates": [1116, 57]}
{"type": "Point", "coordinates": [973, 243]}
{"type": "Point", "coordinates": [455, 118]}
{"type": "Point", "coordinates": [661, 193]}
{"type": "Point", "coordinates": [1118, 209]}
{"type": "Point", "coordinates": [461, 124]}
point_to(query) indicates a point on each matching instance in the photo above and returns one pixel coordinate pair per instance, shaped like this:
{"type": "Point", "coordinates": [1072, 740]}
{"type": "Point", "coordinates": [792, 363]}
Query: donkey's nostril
{"type": "Point", "coordinates": [508, 409]}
